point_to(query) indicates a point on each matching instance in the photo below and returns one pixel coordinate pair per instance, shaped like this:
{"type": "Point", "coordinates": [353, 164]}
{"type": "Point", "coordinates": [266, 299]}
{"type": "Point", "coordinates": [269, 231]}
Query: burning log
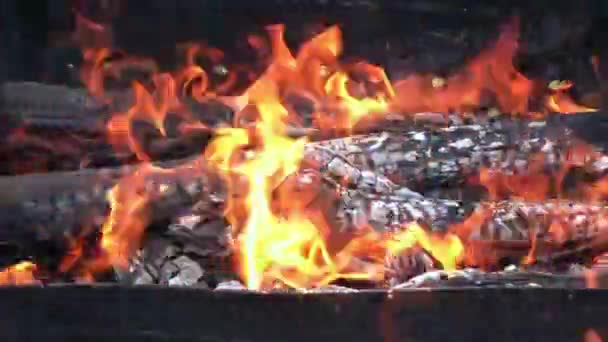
{"type": "Point", "coordinates": [425, 159]}
{"type": "Point", "coordinates": [501, 233]}
{"type": "Point", "coordinates": [547, 235]}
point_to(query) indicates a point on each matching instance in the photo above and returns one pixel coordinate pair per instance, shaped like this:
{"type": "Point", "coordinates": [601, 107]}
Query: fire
{"type": "Point", "coordinates": [124, 226]}
{"type": "Point", "coordinates": [130, 212]}
{"type": "Point", "coordinates": [447, 249]}
{"type": "Point", "coordinates": [288, 246]}
{"type": "Point", "coordinates": [491, 72]}
{"type": "Point", "coordinates": [150, 107]}
{"type": "Point", "coordinates": [278, 237]}
{"type": "Point", "coordinates": [18, 274]}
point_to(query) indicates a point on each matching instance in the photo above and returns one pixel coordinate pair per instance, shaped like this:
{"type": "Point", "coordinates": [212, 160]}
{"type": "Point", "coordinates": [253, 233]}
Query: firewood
{"type": "Point", "coordinates": [427, 158]}
{"type": "Point", "coordinates": [55, 204]}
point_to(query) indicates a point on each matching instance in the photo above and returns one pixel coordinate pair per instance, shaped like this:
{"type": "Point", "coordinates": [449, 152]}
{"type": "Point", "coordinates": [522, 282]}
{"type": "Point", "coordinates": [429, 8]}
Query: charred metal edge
{"type": "Point", "coordinates": [114, 313]}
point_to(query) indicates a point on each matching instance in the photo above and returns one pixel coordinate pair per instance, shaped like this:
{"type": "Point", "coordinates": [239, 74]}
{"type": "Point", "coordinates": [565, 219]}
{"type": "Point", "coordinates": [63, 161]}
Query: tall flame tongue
{"type": "Point", "coordinates": [285, 245]}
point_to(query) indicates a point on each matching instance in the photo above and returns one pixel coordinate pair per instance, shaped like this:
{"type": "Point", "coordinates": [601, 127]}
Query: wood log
{"type": "Point", "coordinates": [53, 205]}
{"type": "Point", "coordinates": [425, 158]}
{"type": "Point", "coordinates": [548, 235]}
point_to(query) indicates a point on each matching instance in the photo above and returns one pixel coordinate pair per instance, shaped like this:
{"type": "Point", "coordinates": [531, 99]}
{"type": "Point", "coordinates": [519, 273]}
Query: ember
{"type": "Point", "coordinates": [313, 171]}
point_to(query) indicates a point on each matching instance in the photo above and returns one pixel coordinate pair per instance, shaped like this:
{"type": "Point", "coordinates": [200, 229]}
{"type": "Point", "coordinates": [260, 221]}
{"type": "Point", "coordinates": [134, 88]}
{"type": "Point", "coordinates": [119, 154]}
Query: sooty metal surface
{"type": "Point", "coordinates": [112, 313]}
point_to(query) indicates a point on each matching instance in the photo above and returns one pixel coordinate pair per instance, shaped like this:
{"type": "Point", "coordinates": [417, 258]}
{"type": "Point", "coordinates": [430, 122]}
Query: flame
{"type": "Point", "coordinates": [18, 274]}
{"type": "Point", "coordinates": [288, 246]}
{"type": "Point", "coordinates": [492, 71]}
{"type": "Point", "coordinates": [150, 107]}
{"type": "Point", "coordinates": [447, 249]}
{"type": "Point", "coordinates": [91, 74]}
{"type": "Point", "coordinates": [561, 102]}
{"type": "Point", "coordinates": [130, 214]}
{"type": "Point", "coordinates": [278, 236]}
{"type": "Point", "coordinates": [343, 95]}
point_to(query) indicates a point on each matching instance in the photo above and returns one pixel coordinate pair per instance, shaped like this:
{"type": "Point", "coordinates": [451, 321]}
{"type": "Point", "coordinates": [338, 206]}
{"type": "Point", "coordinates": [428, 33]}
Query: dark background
{"type": "Point", "coordinates": [550, 29]}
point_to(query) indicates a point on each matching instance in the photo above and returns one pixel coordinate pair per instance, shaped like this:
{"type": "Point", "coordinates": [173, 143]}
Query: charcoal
{"type": "Point", "coordinates": [514, 220]}
{"type": "Point", "coordinates": [423, 280]}
{"type": "Point", "coordinates": [336, 167]}
{"type": "Point", "coordinates": [162, 261]}
{"type": "Point", "coordinates": [147, 266]}
{"type": "Point", "coordinates": [204, 239]}
{"type": "Point", "coordinates": [182, 271]}
{"type": "Point", "coordinates": [37, 98]}
{"type": "Point", "coordinates": [544, 234]}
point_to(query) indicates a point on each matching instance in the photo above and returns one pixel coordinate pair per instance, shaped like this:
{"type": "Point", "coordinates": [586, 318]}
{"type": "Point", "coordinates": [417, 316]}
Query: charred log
{"type": "Point", "coordinates": [49, 206]}
{"type": "Point", "coordinates": [424, 159]}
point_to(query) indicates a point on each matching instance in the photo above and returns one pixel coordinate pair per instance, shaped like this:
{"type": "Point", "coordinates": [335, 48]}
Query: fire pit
{"type": "Point", "coordinates": [267, 176]}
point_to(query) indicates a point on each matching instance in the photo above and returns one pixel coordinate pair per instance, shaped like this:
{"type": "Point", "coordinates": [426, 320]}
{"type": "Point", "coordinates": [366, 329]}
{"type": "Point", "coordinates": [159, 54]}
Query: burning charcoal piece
{"type": "Point", "coordinates": [162, 262]}
{"type": "Point", "coordinates": [337, 168]}
{"type": "Point", "coordinates": [332, 289]}
{"type": "Point", "coordinates": [513, 220]}
{"type": "Point", "coordinates": [37, 98]}
{"type": "Point", "coordinates": [424, 280]}
{"type": "Point", "coordinates": [146, 267]}
{"type": "Point", "coordinates": [211, 113]}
